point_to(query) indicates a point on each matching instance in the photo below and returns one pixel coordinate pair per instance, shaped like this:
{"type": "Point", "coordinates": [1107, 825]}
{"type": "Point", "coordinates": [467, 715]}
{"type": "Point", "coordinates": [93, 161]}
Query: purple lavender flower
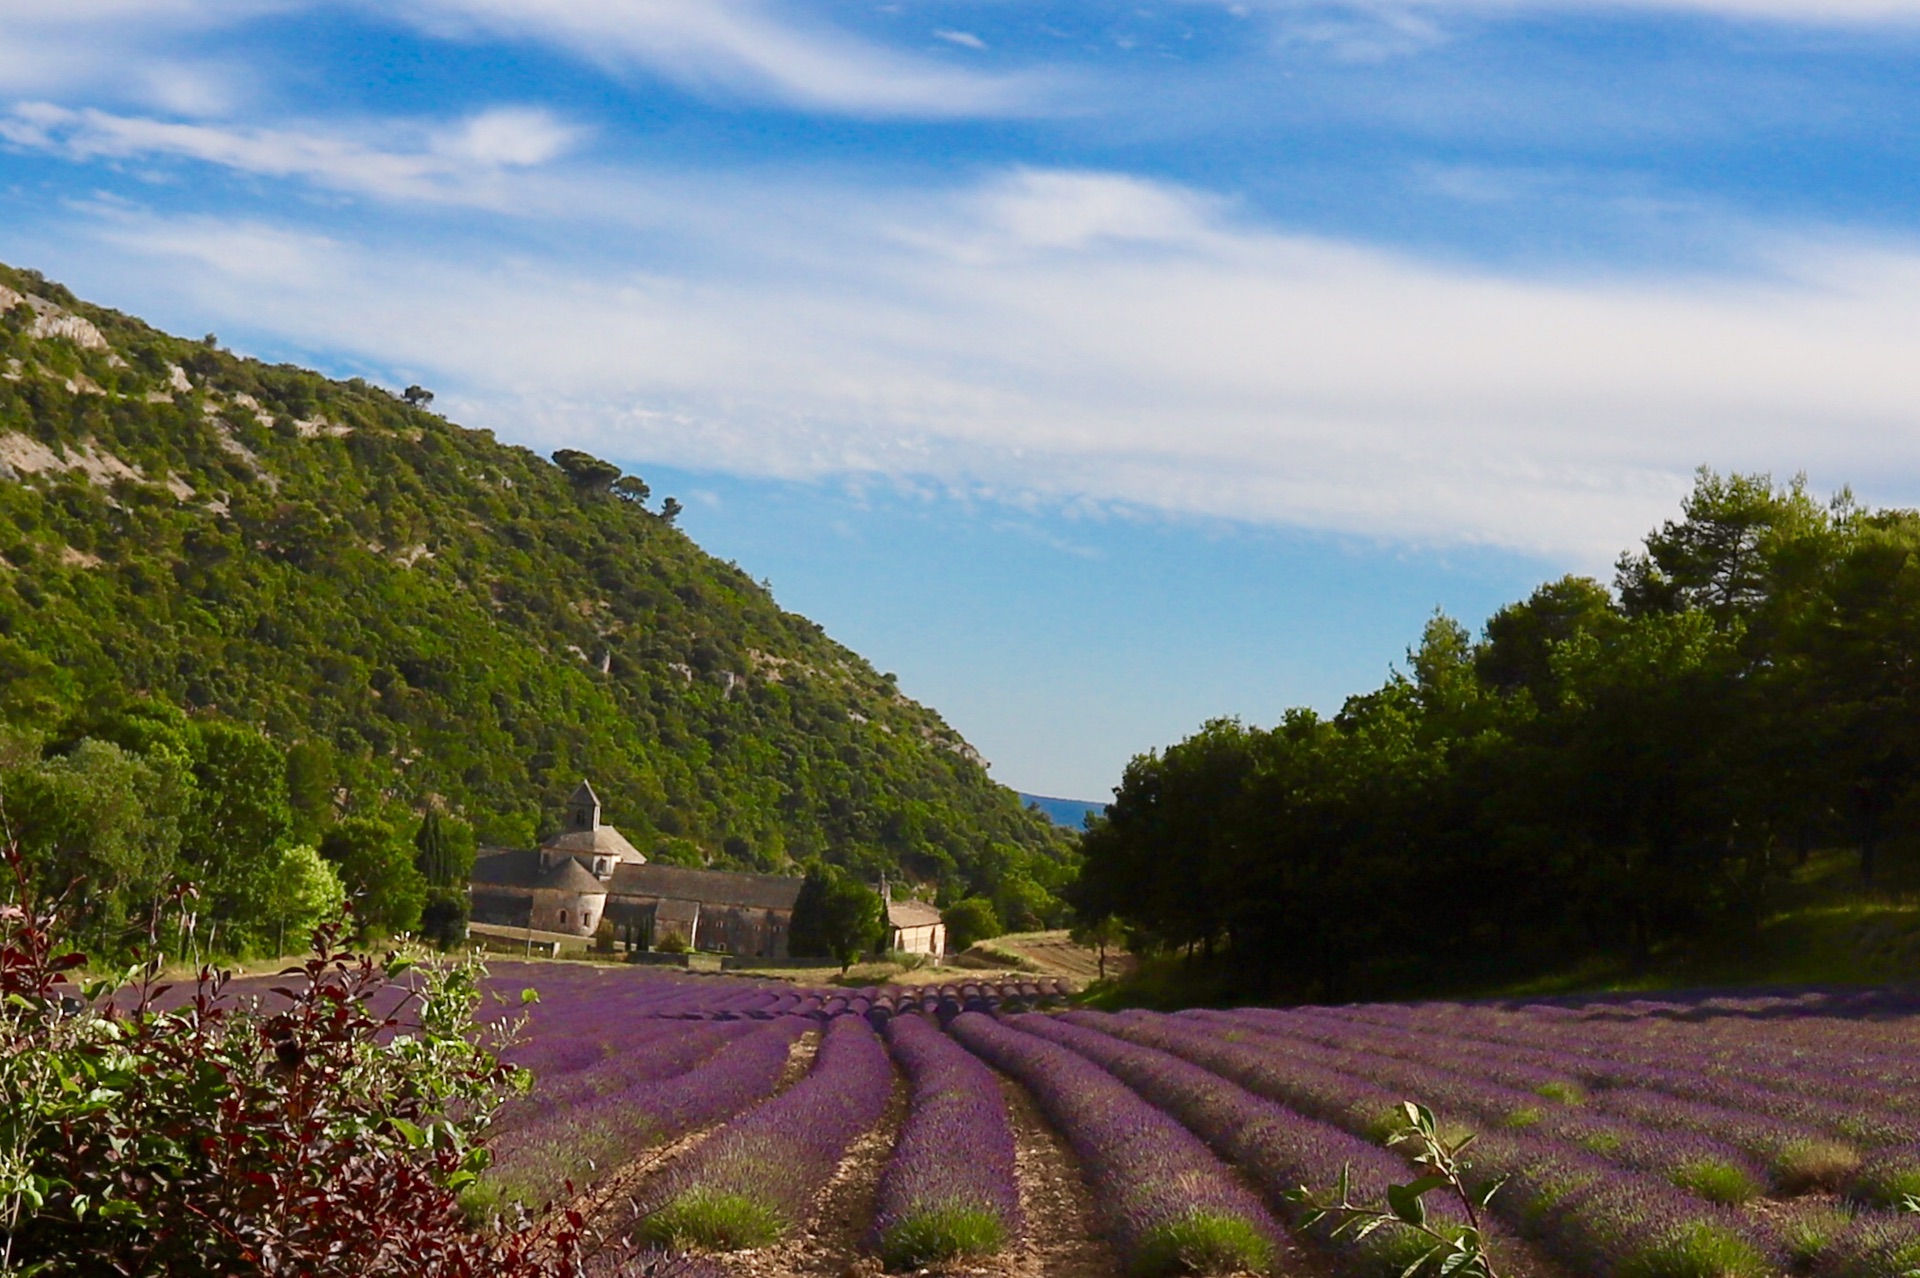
{"type": "Point", "coordinates": [949, 1188]}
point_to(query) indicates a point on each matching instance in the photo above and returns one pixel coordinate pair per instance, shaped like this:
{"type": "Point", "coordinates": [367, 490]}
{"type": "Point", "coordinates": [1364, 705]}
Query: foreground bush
{"type": "Point", "coordinates": [326, 1132]}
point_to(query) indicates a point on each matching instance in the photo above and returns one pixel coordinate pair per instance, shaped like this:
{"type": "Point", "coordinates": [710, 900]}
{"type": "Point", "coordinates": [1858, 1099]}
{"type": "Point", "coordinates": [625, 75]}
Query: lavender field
{"type": "Point", "coordinates": [992, 1127]}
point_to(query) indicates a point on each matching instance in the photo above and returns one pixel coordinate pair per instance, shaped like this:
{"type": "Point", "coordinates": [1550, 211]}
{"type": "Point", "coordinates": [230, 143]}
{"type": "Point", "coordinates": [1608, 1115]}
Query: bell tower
{"type": "Point", "coordinates": [583, 810]}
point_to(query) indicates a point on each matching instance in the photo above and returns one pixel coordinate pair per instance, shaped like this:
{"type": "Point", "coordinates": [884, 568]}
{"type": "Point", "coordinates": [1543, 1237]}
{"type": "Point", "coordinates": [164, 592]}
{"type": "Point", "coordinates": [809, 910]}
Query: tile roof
{"type": "Point", "coordinates": [912, 914]}
{"type": "Point", "coordinates": [710, 887]}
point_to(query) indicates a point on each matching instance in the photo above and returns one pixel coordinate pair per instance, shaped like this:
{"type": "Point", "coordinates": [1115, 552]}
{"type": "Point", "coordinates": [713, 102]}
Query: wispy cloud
{"type": "Point", "coordinates": [451, 162]}
{"type": "Point", "coordinates": [130, 51]}
{"type": "Point", "coordinates": [1385, 25]}
{"type": "Point", "coordinates": [750, 48]}
{"type": "Point", "coordinates": [1085, 336]}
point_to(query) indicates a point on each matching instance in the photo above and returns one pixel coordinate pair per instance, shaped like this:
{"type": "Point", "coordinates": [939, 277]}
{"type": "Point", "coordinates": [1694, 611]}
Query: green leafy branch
{"type": "Point", "coordinates": [1456, 1251]}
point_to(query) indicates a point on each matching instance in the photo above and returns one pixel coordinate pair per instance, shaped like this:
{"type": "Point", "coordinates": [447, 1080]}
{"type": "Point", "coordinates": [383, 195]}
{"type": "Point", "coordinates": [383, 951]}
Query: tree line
{"type": "Point", "coordinates": [117, 807]}
{"type": "Point", "coordinates": [1602, 771]}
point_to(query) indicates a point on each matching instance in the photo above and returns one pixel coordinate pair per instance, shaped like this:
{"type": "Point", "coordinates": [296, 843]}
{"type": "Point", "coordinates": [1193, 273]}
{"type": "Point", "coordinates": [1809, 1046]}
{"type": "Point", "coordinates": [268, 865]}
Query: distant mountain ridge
{"type": "Point", "coordinates": [428, 616]}
{"type": "Point", "coordinates": [1070, 814]}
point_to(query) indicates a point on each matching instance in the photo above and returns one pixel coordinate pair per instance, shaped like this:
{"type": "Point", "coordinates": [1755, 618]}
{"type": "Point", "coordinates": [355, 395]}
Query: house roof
{"type": "Point", "coordinates": [710, 887]}
{"type": "Point", "coordinates": [520, 868]}
{"type": "Point", "coordinates": [911, 914]}
{"type": "Point", "coordinates": [506, 867]}
{"type": "Point", "coordinates": [602, 840]}
{"type": "Point", "coordinates": [568, 875]}
{"type": "Point", "coordinates": [583, 793]}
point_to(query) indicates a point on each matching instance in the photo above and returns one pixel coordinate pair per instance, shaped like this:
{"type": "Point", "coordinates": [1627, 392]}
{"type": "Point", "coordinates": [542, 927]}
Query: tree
{"type": "Point", "coordinates": [376, 867]}
{"type": "Point", "coordinates": [443, 919]}
{"type": "Point", "coordinates": [311, 779]}
{"type": "Point", "coordinates": [417, 396]}
{"type": "Point", "coordinates": [587, 472]}
{"type": "Point", "coordinates": [1520, 638]}
{"type": "Point", "coordinates": [670, 510]}
{"type": "Point", "coordinates": [836, 916]}
{"type": "Point", "coordinates": [231, 837]}
{"type": "Point", "coordinates": [632, 488]}
{"type": "Point", "coordinates": [1101, 934]}
{"type": "Point", "coordinates": [444, 850]}
{"type": "Point", "coordinates": [100, 826]}
{"type": "Point", "coordinates": [969, 920]}
{"type": "Point", "coordinates": [307, 893]}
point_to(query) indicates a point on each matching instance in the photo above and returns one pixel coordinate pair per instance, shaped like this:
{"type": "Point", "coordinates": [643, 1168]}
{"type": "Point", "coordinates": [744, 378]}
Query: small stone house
{"type": "Point", "coordinates": [914, 927]}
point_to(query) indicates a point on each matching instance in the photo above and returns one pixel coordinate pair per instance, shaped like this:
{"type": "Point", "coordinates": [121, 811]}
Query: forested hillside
{"type": "Point", "coordinates": [1603, 771]}
{"type": "Point", "coordinates": [405, 615]}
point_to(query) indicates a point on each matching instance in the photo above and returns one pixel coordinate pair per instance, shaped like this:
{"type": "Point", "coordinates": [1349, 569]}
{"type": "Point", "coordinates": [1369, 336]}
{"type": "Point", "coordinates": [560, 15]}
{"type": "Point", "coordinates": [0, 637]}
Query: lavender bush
{"type": "Point", "coordinates": [1278, 1147]}
{"type": "Point", "coordinates": [1595, 1216]}
{"type": "Point", "coordinates": [949, 1188]}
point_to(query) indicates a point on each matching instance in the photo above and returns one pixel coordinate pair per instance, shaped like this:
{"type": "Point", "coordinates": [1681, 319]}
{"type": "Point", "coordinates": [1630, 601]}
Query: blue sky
{"type": "Point", "coordinates": [1097, 368]}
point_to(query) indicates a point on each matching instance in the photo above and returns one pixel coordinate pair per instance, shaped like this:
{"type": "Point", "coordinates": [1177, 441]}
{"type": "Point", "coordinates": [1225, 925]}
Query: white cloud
{"type": "Point", "coordinates": [965, 39]}
{"type": "Point", "coordinates": [1080, 336]}
{"type": "Point", "coordinates": [1393, 25]}
{"type": "Point", "coordinates": [749, 47]}
{"type": "Point", "coordinates": [129, 51]}
{"type": "Point", "coordinates": [454, 163]}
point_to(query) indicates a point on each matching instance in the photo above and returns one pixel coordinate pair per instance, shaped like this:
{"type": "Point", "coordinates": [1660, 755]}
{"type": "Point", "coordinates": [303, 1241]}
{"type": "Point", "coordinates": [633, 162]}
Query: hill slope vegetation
{"type": "Point", "coordinates": [415, 616]}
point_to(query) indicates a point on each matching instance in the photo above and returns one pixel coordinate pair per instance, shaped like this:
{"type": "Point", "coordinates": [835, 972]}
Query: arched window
{"type": "Point", "coordinates": [563, 918]}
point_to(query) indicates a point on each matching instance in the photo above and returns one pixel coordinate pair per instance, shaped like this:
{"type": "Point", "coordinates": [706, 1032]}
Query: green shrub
{"type": "Point", "coordinates": [1715, 1180]}
{"type": "Point", "coordinates": [1810, 1229]}
{"type": "Point", "coordinates": [1803, 1166]}
{"type": "Point", "coordinates": [712, 1220]}
{"type": "Point", "coordinates": [1698, 1251]}
{"type": "Point", "coordinates": [1203, 1243]}
{"type": "Point", "coordinates": [1886, 1183]}
{"type": "Point", "coordinates": [941, 1234]}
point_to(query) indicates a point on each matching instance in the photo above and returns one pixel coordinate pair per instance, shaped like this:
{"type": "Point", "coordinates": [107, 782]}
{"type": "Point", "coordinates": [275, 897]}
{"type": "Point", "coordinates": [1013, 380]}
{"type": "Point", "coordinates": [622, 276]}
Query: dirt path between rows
{"type": "Point", "coordinates": [1064, 1236]}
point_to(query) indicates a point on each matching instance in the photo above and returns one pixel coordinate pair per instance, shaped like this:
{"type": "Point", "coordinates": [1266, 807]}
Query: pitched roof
{"type": "Point", "coordinates": [601, 841]}
{"type": "Point", "coordinates": [518, 868]}
{"type": "Point", "coordinates": [568, 875]}
{"type": "Point", "coordinates": [583, 793]}
{"type": "Point", "coordinates": [911, 914]}
{"type": "Point", "coordinates": [506, 867]}
{"type": "Point", "coordinates": [710, 887]}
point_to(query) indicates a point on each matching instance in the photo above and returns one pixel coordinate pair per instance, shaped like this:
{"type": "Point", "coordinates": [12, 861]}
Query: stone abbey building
{"type": "Point", "coordinates": [589, 872]}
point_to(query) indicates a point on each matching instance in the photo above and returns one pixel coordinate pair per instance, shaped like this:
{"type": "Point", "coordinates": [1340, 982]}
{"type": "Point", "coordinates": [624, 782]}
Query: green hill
{"type": "Point", "coordinates": [421, 616]}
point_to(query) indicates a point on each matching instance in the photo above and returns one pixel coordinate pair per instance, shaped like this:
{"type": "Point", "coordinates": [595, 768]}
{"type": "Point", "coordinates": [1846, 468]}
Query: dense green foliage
{"type": "Point", "coordinates": [970, 920]}
{"type": "Point", "coordinates": [836, 916]}
{"type": "Point", "coordinates": [366, 611]}
{"type": "Point", "coordinates": [1603, 771]}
